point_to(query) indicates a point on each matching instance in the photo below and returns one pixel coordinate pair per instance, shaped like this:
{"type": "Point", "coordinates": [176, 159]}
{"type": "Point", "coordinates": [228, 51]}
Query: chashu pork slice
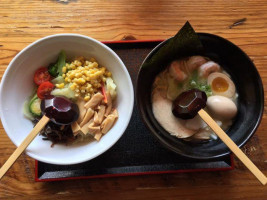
{"type": "Point", "coordinates": [162, 110]}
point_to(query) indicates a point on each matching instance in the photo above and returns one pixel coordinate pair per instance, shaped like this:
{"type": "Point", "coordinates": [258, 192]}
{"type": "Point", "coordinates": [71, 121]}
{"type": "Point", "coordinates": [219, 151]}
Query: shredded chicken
{"type": "Point", "coordinates": [108, 122]}
{"type": "Point", "coordinates": [85, 128]}
{"type": "Point", "coordinates": [101, 113]}
{"type": "Point", "coordinates": [93, 129]}
{"type": "Point", "coordinates": [89, 114]}
{"type": "Point", "coordinates": [75, 128]}
{"type": "Point", "coordinates": [94, 101]}
{"type": "Point", "coordinates": [80, 102]}
{"type": "Point", "coordinates": [109, 104]}
{"type": "Point", "coordinates": [97, 116]}
{"type": "Point", "coordinates": [98, 136]}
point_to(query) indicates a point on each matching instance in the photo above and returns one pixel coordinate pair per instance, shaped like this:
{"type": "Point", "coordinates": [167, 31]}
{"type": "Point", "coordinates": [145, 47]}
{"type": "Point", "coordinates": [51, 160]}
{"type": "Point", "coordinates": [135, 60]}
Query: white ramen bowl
{"type": "Point", "coordinates": [17, 85]}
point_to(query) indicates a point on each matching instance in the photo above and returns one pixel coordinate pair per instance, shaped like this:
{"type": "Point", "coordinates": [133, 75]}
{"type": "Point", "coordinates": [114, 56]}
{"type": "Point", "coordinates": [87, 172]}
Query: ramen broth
{"type": "Point", "coordinates": [203, 74]}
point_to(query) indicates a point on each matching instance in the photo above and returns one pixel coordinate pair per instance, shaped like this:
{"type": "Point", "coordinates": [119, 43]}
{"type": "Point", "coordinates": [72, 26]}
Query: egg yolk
{"type": "Point", "coordinates": [219, 84]}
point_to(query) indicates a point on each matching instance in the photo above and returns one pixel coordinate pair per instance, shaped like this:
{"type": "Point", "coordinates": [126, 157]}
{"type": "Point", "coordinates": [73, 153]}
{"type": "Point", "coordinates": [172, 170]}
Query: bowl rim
{"type": "Point", "coordinates": [170, 147]}
{"type": "Point", "coordinates": [130, 103]}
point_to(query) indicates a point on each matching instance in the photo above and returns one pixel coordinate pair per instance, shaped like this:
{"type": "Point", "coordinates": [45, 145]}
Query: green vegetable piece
{"type": "Point", "coordinates": [26, 111]}
{"type": "Point", "coordinates": [201, 84]}
{"type": "Point", "coordinates": [61, 62]}
{"type": "Point", "coordinates": [58, 80]}
{"type": "Point", "coordinates": [55, 69]}
{"type": "Point", "coordinates": [52, 69]}
{"type": "Point", "coordinates": [35, 107]}
{"type": "Point", "coordinates": [66, 92]}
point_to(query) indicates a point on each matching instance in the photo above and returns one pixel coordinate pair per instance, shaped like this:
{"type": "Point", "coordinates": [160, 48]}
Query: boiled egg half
{"type": "Point", "coordinates": [221, 84]}
{"type": "Point", "coordinates": [221, 107]}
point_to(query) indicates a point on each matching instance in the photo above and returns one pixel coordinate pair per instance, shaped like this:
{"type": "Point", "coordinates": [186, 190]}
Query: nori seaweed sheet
{"type": "Point", "coordinates": [185, 43]}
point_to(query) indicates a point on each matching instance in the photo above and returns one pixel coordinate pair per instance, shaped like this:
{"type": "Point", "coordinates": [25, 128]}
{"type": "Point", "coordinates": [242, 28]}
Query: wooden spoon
{"type": "Point", "coordinates": [57, 109]}
{"type": "Point", "coordinates": [39, 126]}
{"type": "Point", "coordinates": [190, 103]}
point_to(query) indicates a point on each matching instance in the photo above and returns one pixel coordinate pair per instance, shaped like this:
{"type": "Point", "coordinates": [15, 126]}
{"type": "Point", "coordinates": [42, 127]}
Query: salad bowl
{"type": "Point", "coordinates": [17, 85]}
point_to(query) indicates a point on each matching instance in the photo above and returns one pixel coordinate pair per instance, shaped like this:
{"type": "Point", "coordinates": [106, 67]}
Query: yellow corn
{"type": "Point", "coordinates": [64, 69]}
{"type": "Point", "coordinates": [73, 86]}
{"type": "Point", "coordinates": [61, 85]}
{"type": "Point", "coordinates": [85, 76]}
{"type": "Point", "coordinates": [86, 98]}
{"type": "Point", "coordinates": [80, 81]}
{"type": "Point", "coordinates": [78, 75]}
{"type": "Point", "coordinates": [108, 74]}
{"type": "Point", "coordinates": [92, 60]}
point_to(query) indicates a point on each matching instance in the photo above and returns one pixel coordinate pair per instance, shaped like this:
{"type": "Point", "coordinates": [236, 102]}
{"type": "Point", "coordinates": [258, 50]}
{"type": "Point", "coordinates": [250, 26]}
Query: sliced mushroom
{"type": "Point", "coordinates": [109, 104]}
{"type": "Point", "coordinates": [108, 123]}
{"type": "Point", "coordinates": [94, 101]}
{"type": "Point", "coordinates": [75, 128]}
{"type": "Point", "coordinates": [80, 102]}
{"type": "Point", "coordinates": [89, 114]}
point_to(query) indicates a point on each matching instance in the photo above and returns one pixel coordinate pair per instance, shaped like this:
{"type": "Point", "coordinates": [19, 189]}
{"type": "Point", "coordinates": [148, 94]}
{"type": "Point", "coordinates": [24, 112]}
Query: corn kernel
{"type": "Point", "coordinates": [86, 98]}
{"type": "Point", "coordinates": [90, 66]}
{"type": "Point", "coordinates": [92, 60]}
{"type": "Point", "coordinates": [71, 75]}
{"type": "Point", "coordinates": [78, 75]}
{"type": "Point", "coordinates": [85, 80]}
{"type": "Point", "coordinates": [64, 69]}
{"type": "Point", "coordinates": [61, 85]}
{"type": "Point", "coordinates": [80, 81]}
{"type": "Point", "coordinates": [108, 74]}
{"type": "Point", "coordinates": [73, 86]}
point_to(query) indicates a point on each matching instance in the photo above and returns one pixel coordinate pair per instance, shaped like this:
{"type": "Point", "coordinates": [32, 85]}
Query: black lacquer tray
{"type": "Point", "coordinates": [137, 152]}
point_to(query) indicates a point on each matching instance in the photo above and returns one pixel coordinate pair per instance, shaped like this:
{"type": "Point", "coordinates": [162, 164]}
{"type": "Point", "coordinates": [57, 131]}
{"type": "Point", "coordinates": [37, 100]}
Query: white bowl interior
{"type": "Point", "coordinates": [17, 84]}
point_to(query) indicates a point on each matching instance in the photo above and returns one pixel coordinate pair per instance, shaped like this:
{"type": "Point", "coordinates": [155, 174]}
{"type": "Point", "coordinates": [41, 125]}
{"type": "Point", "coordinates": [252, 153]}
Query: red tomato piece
{"type": "Point", "coordinates": [41, 75]}
{"type": "Point", "coordinates": [44, 90]}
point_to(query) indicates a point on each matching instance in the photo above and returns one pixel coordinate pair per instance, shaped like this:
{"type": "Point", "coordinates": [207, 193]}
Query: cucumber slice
{"type": "Point", "coordinates": [35, 107]}
{"type": "Point", "coordinates": [26, 111]}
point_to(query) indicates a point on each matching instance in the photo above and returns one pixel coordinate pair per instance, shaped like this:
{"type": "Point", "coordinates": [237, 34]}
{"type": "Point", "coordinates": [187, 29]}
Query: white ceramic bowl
{"type": "Point", "coordinates": [17, 84]}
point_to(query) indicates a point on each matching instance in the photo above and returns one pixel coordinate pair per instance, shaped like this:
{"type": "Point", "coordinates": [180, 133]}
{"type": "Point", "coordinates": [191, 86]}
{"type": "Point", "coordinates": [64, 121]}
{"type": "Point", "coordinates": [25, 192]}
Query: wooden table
{"type": "Point", "coordinates": [22, 22]}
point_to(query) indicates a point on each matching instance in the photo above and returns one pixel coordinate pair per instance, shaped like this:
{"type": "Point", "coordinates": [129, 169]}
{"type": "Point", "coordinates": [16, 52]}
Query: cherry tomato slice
{"type": "Point", "coordinates": [44, 90]}
{"type": "Point", "coordinates": [41, 75]}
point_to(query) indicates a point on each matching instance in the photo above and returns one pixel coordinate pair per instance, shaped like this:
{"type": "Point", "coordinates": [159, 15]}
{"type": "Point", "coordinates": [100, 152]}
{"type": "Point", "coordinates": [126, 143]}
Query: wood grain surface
{"type": "Point", "coordinates": [22, 22]}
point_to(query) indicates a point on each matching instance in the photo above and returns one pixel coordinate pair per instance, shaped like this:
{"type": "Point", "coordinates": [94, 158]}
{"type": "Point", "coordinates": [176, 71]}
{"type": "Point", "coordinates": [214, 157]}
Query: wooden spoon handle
{"type": "Point", "coordinates": [44, 120]}
{"type": "Point", "coordinates": [232, 146]}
